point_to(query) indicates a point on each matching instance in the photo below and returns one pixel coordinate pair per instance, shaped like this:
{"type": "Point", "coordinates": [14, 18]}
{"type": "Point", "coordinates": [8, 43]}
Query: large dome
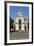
{"type": "Point", "coordinates": [20, 13]}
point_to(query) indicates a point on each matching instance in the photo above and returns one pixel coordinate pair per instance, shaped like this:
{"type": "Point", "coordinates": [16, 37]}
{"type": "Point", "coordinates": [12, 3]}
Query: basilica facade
{"type": "Point", "coordinates": [21, 22]}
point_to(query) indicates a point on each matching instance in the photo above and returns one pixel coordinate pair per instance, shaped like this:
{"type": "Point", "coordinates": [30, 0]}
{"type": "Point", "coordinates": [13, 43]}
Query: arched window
{"type": "Point", "coordinates": [19, 21]}
{"type": "Point", "coordinates": [19, 24]}
{"type": "Point", "coordinates": [25, 27]}
{"type": "Point", "coordinates": [19, 27]}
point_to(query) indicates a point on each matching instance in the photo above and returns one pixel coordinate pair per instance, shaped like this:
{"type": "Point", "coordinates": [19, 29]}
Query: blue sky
{"type": "Point", "coordinates": [15, 9]}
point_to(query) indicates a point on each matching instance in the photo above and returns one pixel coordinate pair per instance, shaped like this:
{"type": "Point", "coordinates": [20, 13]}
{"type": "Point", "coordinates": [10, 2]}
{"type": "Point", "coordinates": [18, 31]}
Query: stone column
{"type": "Point", "coordinates": [26, 27]}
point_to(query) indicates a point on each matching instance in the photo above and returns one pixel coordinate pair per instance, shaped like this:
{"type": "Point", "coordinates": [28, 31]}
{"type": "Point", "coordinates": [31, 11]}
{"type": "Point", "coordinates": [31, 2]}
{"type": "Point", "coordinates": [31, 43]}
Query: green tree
{"type": "Point", "coordinates": [11, 23]}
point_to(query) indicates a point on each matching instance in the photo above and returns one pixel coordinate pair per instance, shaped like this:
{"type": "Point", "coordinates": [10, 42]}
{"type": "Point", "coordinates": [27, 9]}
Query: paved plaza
{"type": "Point", "coordinates": [19, 35]}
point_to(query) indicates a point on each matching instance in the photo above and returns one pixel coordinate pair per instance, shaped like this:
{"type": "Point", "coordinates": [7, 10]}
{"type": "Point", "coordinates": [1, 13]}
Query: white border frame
{"type": "Point", "coordinates": [30, 23]}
